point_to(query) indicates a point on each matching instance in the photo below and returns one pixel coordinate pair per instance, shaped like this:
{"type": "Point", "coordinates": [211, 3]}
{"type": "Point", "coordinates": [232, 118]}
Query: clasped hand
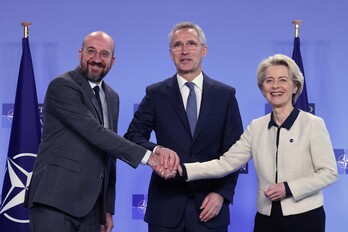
{"type": "Point", "coordinates": [276, 192]}
{"type": "Point", "coordinates": [165, 162]}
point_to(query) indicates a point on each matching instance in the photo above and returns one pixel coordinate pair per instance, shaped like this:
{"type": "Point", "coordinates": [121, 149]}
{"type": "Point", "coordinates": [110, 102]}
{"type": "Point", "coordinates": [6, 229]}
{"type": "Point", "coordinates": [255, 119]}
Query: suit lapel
{"type": "Point", "coordinates": [110, 105]}
{"type": "Point", "coordinates": [95, 103]}
{"type": "Point", "coordinates": [86, 88]}
{"type": "Point", "coordinates": [208, 95]}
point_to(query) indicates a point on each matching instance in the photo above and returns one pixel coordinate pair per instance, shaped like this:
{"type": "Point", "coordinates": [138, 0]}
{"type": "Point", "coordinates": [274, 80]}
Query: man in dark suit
{"type": "Point", "coordinates": [73, 182]}
{"type": "Point", "coordinates": [176, 205]}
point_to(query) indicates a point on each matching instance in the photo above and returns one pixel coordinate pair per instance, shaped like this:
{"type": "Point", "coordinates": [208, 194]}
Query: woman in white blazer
{"type": "Point", "coordinates": [291, 150]}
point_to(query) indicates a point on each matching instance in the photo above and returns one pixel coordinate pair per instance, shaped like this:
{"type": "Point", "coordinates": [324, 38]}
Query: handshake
{"type": "Point", "coordinates": [165, 162]}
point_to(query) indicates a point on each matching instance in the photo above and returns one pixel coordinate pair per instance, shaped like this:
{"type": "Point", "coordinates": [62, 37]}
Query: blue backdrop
{"type": "Point", "coordinates": [239, 35]}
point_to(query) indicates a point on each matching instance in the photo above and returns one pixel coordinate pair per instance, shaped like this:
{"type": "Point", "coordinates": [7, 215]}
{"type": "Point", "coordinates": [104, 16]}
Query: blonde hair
{"type": "Point", "coordinates": [295, 73]}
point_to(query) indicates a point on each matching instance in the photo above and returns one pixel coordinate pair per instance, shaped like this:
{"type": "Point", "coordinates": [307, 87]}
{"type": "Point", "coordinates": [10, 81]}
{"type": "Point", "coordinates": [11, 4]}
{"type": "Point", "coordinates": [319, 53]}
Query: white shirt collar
{"type": "Point", "coordinates": [92, 84]}
{"type": "Point", "coordinates": [198, 81]}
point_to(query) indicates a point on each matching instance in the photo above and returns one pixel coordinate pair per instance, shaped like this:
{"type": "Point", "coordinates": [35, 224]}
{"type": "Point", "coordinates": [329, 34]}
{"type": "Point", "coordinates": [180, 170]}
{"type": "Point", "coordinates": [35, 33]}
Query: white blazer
{"type": "Point", "coordinates": [305, 160]}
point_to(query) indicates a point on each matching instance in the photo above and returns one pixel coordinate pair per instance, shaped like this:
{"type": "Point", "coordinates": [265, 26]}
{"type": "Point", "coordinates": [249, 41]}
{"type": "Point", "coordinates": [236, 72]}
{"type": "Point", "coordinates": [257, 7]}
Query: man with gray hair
{"type": "Point", "coordinates": [197, 117]}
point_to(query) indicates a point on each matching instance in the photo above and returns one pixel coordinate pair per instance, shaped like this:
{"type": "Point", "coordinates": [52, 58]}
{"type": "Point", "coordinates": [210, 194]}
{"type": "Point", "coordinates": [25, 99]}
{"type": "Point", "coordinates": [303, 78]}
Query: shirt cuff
{"type": "Point", "coordinates": [146, 157]}
{"type": "Point", "coordinates": [154, 150]}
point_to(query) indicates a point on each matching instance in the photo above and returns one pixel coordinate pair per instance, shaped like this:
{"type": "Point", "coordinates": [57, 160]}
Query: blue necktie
{"type": "Point", "coordinates": [191, 107]}
{"type": "Point", "coordinates": [97, 96]}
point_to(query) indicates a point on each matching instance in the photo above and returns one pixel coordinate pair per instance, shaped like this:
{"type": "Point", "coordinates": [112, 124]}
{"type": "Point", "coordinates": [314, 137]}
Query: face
{"type": "Point", "coordinates": [187, 53]}
{"type": "Point", "coordinates": [96, 56]}
{"type": "Point", "coordinates": [278, 88]}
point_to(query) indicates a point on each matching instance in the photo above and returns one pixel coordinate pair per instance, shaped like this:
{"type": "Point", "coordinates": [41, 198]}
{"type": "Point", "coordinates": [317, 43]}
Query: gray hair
{"type": "Point", "coordinates": [188, 25]}
{"type": "Point", "coordinates": [295, 73]}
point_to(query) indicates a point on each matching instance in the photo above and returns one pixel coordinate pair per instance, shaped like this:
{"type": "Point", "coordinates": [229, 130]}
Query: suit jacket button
{"type": "Point", "coordinates": [101, 176]}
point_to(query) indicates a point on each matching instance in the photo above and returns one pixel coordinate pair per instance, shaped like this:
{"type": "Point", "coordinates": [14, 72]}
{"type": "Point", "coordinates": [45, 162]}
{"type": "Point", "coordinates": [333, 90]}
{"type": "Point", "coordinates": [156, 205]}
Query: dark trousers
{"type": "Point", "coordinates": [311, 221]}
{"type": "Point", "coordinates": [44, 218]}
{"type": "Point", "coordinates": [189, 223]}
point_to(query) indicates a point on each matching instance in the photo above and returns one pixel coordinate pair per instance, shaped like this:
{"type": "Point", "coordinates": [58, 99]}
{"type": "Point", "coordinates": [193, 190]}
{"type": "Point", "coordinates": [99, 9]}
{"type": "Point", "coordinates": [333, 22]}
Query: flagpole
{"type": "Point", "coordinates": [302, 100]}
{"type": "Point", "coordinates": [297, 23]}
{"type": "Point", "coordinates": [26, 26]}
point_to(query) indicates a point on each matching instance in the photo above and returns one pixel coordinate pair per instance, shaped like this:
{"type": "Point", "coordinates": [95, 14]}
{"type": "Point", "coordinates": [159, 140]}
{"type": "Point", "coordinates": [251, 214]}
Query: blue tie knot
{"type": "Point", "coordinates": [191, 86]}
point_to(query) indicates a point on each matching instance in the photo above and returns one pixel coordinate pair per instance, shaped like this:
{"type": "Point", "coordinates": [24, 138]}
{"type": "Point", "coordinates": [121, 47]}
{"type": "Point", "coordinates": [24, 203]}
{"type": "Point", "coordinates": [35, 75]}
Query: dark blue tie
{"type": "Point", "coordinates": [97, 96]}
{"type": "Point", "coordinates": [191, 107]}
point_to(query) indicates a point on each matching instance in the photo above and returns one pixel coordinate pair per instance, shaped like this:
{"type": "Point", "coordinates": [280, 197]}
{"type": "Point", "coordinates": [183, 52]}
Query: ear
{"type": "Point", "coordinates": [263, 93]}
{"type": "Point", "coordinates": [113, 60]}
{"type": "Point", "coordinates": [295, 89]}
{"type": "Point", "coordinates": [171, 54]}
{"type": "Point", "coordinates": [204, 50]}
{"type": "Point", "coordinates": [80, 54]}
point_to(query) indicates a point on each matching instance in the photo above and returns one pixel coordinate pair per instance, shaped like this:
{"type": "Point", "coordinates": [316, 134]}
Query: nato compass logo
{"type": "Point", "coordinates": [7, 114]}
{"type": "Point", "coordinates": [16, 181]}
{"type": "Point", "coordinates": [342, 160]}
{"type": "Point", "coordinates": [139, 203]}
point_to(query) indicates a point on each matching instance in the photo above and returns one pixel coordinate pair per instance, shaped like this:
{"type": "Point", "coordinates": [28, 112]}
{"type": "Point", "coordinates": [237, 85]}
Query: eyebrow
{"type": "Point", "coordinates": [180, 41]}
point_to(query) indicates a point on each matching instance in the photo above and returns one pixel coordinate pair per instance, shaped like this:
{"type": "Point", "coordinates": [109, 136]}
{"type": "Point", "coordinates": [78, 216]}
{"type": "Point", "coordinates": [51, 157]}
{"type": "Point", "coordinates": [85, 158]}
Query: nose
{"type": "Point", "coordinates": [184, 48]}
{"type": "Point", "coordinates": [97, 58]}
{"type": "Point", "coordinates": [275, 84]}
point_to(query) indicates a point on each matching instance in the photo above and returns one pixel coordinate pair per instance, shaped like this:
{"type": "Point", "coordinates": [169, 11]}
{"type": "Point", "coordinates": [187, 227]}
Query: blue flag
{"type": "Point", "coordinates": [23, 147]}
{"type": "Point", "coordinates": [302, 101]}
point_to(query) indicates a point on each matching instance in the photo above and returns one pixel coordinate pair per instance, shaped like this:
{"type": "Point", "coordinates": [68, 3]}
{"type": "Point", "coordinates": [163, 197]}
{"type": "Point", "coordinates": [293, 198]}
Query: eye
{"type": "Point", "coordinates": [105, 54]}
{"type": "Point", "coordinates": [176, 46]}
{"type": "Point", "coordinates": [91, 52]}
{"type": "Point", "coordinates": [268, 81]}
{"type": "Point", "coordinates": [192, 44]}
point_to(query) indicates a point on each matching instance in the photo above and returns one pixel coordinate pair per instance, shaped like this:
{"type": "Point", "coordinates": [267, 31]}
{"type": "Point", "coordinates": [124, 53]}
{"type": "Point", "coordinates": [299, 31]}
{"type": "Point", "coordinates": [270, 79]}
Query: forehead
{"type": "Point", "coordinates": [277, 71]}
{"type": "Point", "coordinates": [99, 42]}
{"type": "Point", "coordinates": [185, 34]}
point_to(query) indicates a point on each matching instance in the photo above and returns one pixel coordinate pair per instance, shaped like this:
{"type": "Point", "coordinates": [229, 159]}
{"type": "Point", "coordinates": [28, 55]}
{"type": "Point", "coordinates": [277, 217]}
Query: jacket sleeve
{"type": "Point", "coordinates": [71, 105]}
{"type": "Point", "coordinates": [143, 123]}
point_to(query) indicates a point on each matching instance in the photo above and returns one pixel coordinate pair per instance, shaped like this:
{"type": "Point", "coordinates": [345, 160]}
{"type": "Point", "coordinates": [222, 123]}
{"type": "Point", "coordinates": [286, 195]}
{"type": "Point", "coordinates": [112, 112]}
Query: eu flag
{"type": "Point", "coordinates": [302, 101]}
{"type": "Point", "coordinates": [23, 147]}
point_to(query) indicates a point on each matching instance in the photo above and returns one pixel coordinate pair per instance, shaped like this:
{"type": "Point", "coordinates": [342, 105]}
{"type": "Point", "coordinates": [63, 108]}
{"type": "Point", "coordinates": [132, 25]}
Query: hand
{"type": "Point", "coordinates": [211, 206]}
{"type": "Point", "coordinates": [180, 171]}
{"type": "Point", "coordinates": [167, 170]}
{"type": "Point", "coordinates": [164, 159]}
{"type": "Point", "coordinates": [165, 173]}
{"type": "Point", "coordinates": [169, 159]}
{"type": "Point", "coordinates": [276, 192]}
{"type": "Point", "coordinates": [154, 160]}
{"type": "Point", "coordinates": [108, 225]}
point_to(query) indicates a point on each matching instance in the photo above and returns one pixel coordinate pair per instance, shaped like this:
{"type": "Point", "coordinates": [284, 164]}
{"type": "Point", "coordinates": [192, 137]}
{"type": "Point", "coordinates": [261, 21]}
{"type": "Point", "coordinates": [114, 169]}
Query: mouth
{"type": "Point", "coordinates": [96, 65]}
{"type": "Point", "coordinates": [96, 68]}
{"type": "Point", "coordinates": [276, 94]}
{"type": "Point", "coordinates": [185, 60]}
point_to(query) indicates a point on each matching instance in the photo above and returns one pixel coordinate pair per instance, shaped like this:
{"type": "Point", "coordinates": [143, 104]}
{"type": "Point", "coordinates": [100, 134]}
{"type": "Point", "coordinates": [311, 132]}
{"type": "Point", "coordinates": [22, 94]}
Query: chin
{"type": "Point", "coordinates": [95, 79]}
